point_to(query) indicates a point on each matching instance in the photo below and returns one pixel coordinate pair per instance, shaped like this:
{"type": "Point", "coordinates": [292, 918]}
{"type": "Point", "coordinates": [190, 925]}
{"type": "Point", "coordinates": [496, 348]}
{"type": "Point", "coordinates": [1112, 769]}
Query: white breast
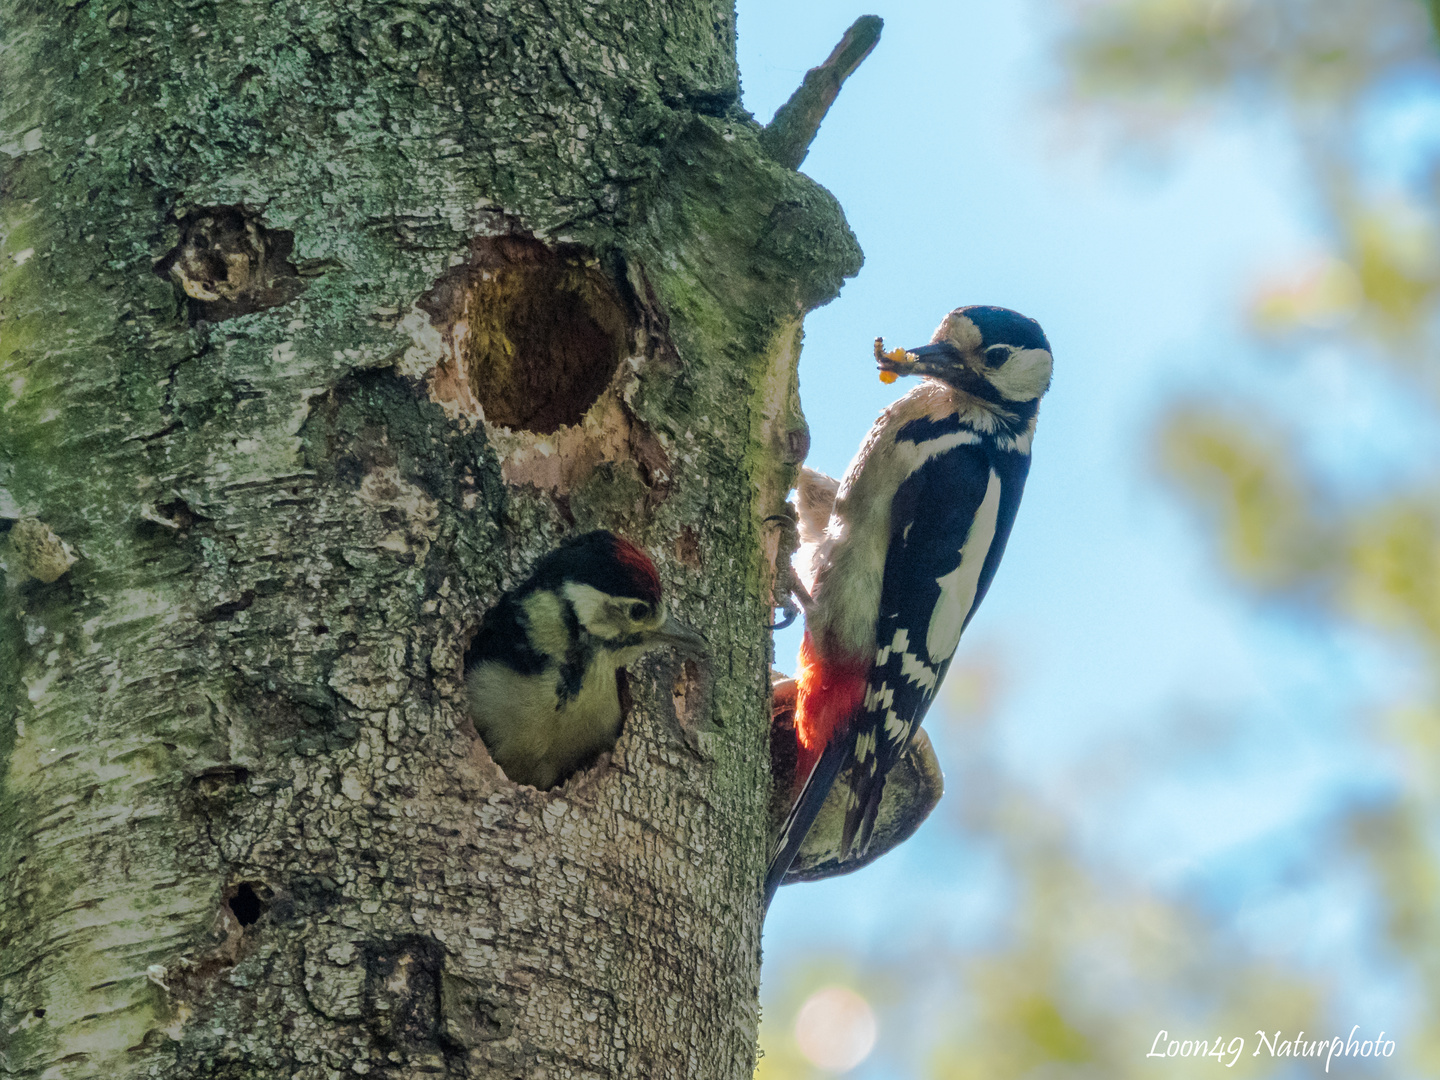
{"type": "Point", "coordinates": [530, 739]}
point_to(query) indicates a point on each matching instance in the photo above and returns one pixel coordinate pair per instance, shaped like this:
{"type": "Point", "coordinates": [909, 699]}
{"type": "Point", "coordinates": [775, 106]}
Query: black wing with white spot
{"type": "Point", "coordinates": [931, 519]}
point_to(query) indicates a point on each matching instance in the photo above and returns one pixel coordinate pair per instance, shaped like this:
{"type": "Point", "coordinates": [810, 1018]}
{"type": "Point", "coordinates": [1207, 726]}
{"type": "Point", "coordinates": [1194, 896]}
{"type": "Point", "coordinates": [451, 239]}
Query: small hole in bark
{"type": "Point", "coordinates": [39, 1014]}
{"type": "Point", "coordinates": [228, 263]}
{"type": "Point", "coordinates": [230, 608]}
{"type": "Point", "coordinates": [540, 330]}
{"type": "Point", "coordinates": [219, 782]}
{"type": "Point", "coordinates": [180, 512]}
{"type": "Point", "coordinates": [246, 905]}
{"type": "Point", "coordinates": [321, 628]}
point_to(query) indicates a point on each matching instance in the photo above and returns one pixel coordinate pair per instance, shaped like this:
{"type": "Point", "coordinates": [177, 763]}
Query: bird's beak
{"type": "Point", "coordinates": [940, 359]}
{"type": "Point", "coordinates": [676, 633]}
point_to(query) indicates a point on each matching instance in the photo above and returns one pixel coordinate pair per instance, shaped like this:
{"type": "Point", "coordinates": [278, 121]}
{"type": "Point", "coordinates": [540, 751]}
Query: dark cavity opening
{"type": "Point", "coordinates": [541, 330]}
{"type": "Point", "coordinates": [246, 905]}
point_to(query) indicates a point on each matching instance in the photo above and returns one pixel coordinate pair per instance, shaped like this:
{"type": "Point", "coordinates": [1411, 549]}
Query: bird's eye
{"type": "Point", "coordinates": [639, 612]}
{"type": "Point", "coordinates": [997, 355]}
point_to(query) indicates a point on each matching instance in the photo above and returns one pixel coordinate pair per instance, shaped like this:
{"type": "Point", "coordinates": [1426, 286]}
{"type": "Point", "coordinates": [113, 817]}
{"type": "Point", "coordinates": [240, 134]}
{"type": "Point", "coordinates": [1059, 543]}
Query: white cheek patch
{"type": "Point", "coordinates": [960, 331]}
{"type": "Point", "coordinates": [1025, 376]}
{"type": "Point", "coordinates": [592, 608]}
{"type": "Point", "coordinates": [957, 588]}
{"type": "Point", "coordinates": [588, 601]}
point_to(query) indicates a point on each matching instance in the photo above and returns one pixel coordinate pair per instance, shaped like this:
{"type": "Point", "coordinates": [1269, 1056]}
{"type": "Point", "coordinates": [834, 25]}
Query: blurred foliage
{"type": "Point", "coordinates": [1314, 53]}
{"type": "Point", "coordinates": [1332, 69]}
{"type": "Point", "coordinates": [1091, 968]}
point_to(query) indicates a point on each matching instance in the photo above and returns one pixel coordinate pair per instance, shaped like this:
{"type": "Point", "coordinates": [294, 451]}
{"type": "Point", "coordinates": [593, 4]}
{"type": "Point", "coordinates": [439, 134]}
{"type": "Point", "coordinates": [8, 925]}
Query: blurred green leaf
{"type": "Point", "coordinates": [1243, 477]}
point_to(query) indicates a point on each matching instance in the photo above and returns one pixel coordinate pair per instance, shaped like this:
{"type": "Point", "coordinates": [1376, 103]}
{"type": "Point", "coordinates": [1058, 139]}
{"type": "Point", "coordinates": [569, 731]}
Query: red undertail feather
{"type": "Point", "coordinates": [829, 694]}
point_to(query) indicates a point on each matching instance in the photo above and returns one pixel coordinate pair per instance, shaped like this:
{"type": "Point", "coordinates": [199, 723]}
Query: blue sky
{"type": "Point", "coordinates": [967, 181]}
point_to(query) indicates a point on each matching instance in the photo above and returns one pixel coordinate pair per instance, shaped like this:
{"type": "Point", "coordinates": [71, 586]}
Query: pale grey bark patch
{"type": "Point", "coordinates": [33, 550]}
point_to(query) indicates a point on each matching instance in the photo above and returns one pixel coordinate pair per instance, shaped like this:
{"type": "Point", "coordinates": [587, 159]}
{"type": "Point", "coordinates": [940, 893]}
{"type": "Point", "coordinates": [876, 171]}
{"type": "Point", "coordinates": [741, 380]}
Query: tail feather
{"type": "Point", "coordinates": [803, 813]}
{"type": "Point", "coordinates": [828, 694]}
{"type": "Point", "coordinates": [861, 815]}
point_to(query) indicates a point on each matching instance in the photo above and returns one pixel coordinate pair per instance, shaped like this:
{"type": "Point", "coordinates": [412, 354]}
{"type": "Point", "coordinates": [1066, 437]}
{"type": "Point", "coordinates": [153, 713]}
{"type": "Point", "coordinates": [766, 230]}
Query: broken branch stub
{"type": "Point", "coordinates": [788, 136]}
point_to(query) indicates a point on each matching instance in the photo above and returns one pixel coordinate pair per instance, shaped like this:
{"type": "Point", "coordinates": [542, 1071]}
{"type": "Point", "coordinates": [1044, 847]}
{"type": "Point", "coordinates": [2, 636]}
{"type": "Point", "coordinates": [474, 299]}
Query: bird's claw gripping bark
{"type": "Point", "coordinates": [796, 598]}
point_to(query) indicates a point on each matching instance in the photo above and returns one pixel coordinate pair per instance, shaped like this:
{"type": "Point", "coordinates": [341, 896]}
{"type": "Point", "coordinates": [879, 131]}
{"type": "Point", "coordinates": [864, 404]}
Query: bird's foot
{"type": "Point", "coordinates": [792, 597]}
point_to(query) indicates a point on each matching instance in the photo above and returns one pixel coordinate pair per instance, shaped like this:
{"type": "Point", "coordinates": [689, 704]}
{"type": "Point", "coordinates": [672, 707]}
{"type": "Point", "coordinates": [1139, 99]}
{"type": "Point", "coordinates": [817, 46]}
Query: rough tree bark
{"type": "Point", "coordinates": [321, 320]}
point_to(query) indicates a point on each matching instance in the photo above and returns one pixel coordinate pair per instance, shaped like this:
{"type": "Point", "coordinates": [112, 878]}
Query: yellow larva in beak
{"type": "Point", "coordinates": [895, 356]}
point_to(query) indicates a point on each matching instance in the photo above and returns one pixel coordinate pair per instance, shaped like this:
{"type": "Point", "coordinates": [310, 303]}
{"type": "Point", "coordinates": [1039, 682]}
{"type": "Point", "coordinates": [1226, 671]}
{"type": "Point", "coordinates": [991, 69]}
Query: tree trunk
{"type": "Point", "coordinates": [321, 322]}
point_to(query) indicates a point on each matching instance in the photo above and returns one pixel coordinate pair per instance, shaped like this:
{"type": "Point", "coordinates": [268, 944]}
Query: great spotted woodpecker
{"type": "Point", "coordinates": [541, 673]}
{"type": "Point", "coordinates": [917, 530]}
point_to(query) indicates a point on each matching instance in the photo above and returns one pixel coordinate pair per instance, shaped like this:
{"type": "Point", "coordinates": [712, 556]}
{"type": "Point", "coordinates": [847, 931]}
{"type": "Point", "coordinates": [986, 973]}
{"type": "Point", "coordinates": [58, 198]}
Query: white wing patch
{"type": "Point", "coordinates": [912, 666]}
{"type": "Point", "coordinates": [879, 697]}
{"type": "Point", "coordinates": [957, 588]}
{"type": "Point", "coordinates": [919, 672]}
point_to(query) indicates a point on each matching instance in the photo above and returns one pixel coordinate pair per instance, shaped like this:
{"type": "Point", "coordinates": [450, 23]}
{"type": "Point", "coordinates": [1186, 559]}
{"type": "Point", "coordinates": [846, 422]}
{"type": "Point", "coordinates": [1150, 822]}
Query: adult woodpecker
{"type": "Point", "coordinates": [917, 529]}
{"type": "Point", "coordinates": [541, 674]}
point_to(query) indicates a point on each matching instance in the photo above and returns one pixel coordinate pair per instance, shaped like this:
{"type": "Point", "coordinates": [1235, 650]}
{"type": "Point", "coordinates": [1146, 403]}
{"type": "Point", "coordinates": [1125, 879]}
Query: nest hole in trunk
{"type": "Point", "coordinates": [540, 329]}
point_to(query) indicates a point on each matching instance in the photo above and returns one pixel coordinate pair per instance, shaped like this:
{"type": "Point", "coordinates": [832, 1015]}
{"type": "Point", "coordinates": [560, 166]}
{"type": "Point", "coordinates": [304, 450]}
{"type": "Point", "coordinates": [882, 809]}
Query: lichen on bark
{"type": "Point", "coordinates": [245, 829]}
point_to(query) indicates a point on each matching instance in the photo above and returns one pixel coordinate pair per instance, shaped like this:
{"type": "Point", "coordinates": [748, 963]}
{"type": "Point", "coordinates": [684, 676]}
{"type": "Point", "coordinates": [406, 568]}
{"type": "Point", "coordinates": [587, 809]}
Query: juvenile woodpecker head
{"type": "Point", "coordinates": [614, 592]}
{"type": "Point", "coordinates": [541, 673]}
{"type": "Point", "coordinates": [996, 354]}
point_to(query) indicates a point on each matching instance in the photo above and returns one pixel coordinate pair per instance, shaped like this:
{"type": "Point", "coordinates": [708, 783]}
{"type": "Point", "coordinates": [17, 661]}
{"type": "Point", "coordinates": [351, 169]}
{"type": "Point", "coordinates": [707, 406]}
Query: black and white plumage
{"type": "Point", "coordinates": [917, 530]}
{"type": "Point", "coordinates": [913, 788]}
{"type": "Point", "coordinates": [542, 673]}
